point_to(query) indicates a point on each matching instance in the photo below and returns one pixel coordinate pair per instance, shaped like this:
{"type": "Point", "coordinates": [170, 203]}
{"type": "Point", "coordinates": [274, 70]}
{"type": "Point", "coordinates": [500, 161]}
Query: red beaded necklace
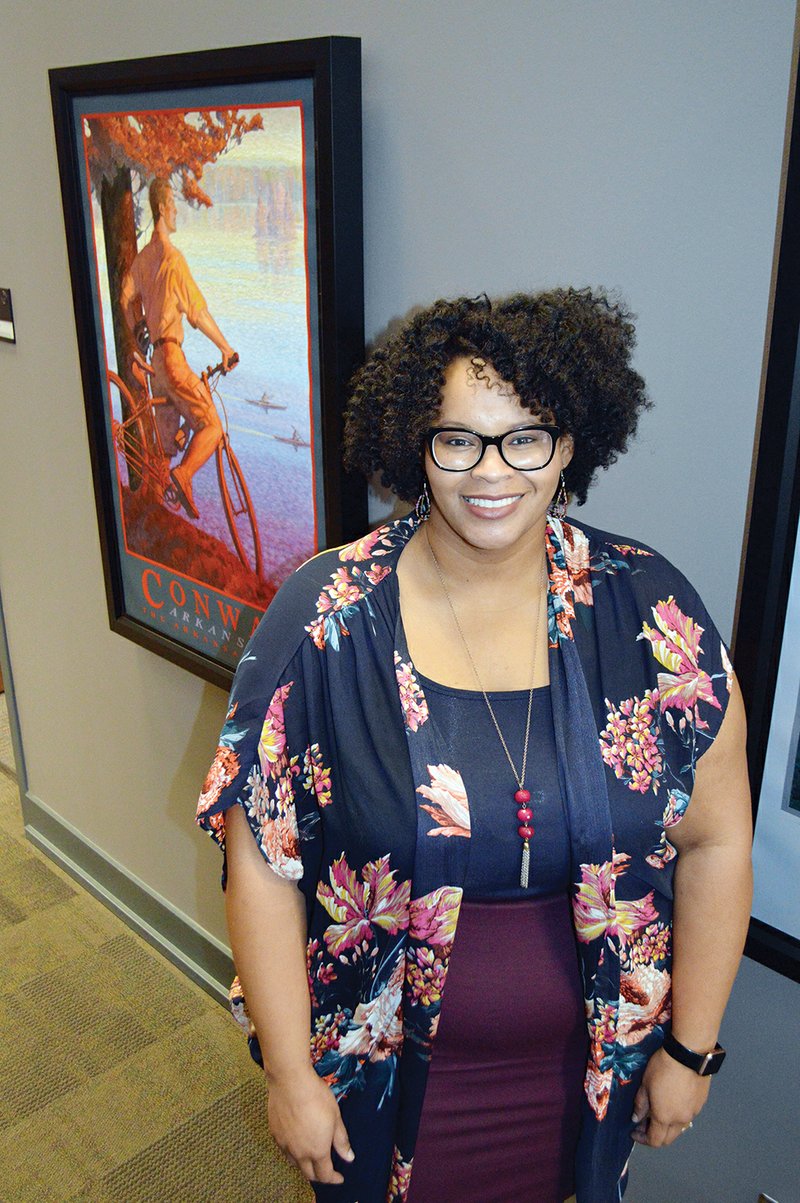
{"type": "Point", "coordinates": [522, 797]}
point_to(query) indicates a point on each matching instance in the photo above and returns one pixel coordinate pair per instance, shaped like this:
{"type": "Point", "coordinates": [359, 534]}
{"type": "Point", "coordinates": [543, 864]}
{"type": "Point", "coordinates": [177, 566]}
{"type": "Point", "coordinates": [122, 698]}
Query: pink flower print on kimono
{"type": "Point", "coordinates": [448, 798]}
{"type": "Point", "coordinates": [597, 910]}
{"type": "Point", "coordinates": [627, 549]}
{"type": "Point", "coordinates": [270, 803]}
{"type": "Point", "coordinates": [339, 599]}
{"type": "Point", "coordinates": [675, 643]}
{"type": "Point", "coordinates": [649, 945]}
{"type": "Point", "coordinates": [399, 1180]}
{"type": "Point", "coordinates": [367, 547]}
{"type": "Point", "coordinates": [434, 916]}
{"type": "Point", "coordinates": [317, 779]}
{"type": "Point", "coordinates": [432, 929]}
{"type": "Point", "coordinates": [600, 1066]}
{"type": "Point", "coordinates": [272, 741]}
{"type": "Point", "coordinates": [342, 594]}
{"type": "Point", "coordinates": [412, 699]}
{"type": "Point", "coordinates": [351, 585]}
{"type": "Point", "coordinates": [630, 744]}
{"type": "Point", "coordinates": [358, 907]}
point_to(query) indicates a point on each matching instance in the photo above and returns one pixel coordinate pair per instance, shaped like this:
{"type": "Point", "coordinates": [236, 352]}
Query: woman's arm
{"type": "Point", "coordinates": [267, 926]}
{"type": "Point", "coordinates": [713, 891]}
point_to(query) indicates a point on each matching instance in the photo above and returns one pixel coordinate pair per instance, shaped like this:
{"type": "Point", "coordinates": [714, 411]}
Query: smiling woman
{"type": "Point", "coordinates": [501, 755]}
{"type": "Point", "coordinates": [505, 477]}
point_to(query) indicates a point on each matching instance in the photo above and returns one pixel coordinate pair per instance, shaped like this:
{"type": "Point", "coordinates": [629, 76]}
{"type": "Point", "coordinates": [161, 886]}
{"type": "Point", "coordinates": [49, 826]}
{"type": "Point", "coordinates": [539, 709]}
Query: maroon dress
{"type": "Point", "coordinates": [502, 1107]}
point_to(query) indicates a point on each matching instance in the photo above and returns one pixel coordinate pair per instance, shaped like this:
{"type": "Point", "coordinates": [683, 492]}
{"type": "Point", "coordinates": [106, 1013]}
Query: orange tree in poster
{"type": "Point", "coordinates": [158, 144]}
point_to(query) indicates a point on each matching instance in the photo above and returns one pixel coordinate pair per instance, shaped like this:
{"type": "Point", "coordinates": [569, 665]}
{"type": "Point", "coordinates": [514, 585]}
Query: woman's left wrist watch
{"type": "Point", "coordinates": [703, 1064]}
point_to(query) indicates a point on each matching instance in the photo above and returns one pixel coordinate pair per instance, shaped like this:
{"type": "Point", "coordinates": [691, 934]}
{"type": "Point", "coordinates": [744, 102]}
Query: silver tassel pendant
{"type": "Point", "coordinates": [525, 866]}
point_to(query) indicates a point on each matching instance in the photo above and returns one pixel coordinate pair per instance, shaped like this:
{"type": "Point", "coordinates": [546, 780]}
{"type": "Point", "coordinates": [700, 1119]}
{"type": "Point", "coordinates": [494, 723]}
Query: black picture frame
{"type": "Point", "coordinates": [771, 544]}
{"type": "Point", "coordinates": [321, 77]}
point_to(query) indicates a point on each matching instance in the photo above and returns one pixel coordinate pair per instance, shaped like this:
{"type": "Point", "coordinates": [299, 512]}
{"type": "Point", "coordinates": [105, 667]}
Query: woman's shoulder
{"type": "Point", "coordinates": [600, 540]}
{"type": "Point", "coordinates": [337, 567]}
{"type": "Point", "coordinates": [335, 580]}
{"type": "Point", "coordinates": [636, 592]}
{"type": "Point", "coordinates": [629, 560]}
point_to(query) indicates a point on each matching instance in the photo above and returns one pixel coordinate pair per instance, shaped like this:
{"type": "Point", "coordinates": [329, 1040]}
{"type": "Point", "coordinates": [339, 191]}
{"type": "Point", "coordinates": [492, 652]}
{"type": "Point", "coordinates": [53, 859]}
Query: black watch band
{"type": "Point", "coordinates": [702, 1063]}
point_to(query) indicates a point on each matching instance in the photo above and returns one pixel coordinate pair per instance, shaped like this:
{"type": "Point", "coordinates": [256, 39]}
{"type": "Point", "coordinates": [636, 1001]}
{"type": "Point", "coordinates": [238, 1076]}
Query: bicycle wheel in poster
{"type": "Point", "coordinates": [130, 435]}
{"type": "Point", "coordinates": [239, 510]}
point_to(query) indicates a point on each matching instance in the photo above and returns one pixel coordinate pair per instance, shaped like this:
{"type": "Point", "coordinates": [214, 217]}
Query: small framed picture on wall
{"type": "Point", "coordinates": [7, 331]}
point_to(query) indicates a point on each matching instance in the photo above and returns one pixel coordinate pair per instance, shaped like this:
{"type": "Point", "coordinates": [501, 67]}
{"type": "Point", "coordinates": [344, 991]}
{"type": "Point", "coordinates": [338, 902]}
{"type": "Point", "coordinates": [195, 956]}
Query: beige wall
{"type": "Point", "coordinates": [507, 145]}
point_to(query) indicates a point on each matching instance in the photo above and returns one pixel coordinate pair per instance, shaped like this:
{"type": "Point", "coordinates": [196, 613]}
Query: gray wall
{"type": "Point", "coordinates": [744, 1141]}
{"type": "Point", "coordinates": [507, 145]}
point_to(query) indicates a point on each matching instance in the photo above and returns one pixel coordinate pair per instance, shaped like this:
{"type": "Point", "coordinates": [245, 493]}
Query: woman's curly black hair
{"type": "Point", "coordinates": [565, 351]}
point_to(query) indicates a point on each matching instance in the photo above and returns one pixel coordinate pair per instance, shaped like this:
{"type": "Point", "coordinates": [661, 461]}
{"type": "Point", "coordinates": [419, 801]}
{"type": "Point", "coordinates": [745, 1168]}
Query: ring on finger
{"type": "Point", "coordinates": [686, 1127]}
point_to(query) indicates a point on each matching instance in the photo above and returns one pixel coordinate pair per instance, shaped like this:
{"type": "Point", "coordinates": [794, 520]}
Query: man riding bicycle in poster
{"type": "Point", "coordinates": [160, 285]}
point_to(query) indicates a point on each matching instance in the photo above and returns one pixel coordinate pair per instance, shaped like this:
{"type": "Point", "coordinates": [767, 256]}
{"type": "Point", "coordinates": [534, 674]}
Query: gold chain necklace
{"type": "Point", "coordinates": [522, 796]}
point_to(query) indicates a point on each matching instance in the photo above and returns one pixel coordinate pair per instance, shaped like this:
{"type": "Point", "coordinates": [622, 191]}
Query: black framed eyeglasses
{"type": "Point", "coordinates": [527, 448]}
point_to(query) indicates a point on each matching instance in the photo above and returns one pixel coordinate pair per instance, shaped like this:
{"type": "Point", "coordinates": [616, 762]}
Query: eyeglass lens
{"type": "Point", "coordinates": [460, 450]}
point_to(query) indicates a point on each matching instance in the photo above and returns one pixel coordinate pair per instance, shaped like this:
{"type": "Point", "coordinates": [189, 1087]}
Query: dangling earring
{"type": "Point", "coordinates": [558, 506]}
{"type": "Point", "coordinates": [423, 507]}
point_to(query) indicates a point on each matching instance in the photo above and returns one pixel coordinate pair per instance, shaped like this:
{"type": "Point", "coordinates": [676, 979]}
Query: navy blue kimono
{"type": "Point", "coordinates": [329, 749]}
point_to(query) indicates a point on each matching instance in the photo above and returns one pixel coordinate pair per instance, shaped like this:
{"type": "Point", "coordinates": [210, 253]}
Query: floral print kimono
{"type": "Point", "coordinates": [350, 792]}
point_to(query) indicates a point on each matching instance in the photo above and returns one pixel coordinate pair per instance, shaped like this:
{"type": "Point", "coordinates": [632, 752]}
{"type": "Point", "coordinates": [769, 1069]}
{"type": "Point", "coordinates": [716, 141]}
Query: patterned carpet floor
{"type": "Point", "coordinates": [122, 1081]}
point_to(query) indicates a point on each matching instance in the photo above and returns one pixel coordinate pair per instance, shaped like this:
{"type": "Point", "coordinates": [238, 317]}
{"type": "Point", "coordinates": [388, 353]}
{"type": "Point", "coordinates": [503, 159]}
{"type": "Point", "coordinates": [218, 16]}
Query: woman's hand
{"type": "Point", "coordinates": [667, 1101]}
{"type": "Point", "coordinates": [305, 1120]}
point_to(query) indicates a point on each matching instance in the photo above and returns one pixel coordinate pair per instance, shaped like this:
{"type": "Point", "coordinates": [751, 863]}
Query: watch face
{"type": "Point", "coordinates": [712, 1062]}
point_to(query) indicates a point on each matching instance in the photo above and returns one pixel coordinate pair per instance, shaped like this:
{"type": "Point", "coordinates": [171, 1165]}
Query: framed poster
{"type": "Point", "coordinates": [767, 640]}
{"type": "Point", "coordinates": [213, 214]}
